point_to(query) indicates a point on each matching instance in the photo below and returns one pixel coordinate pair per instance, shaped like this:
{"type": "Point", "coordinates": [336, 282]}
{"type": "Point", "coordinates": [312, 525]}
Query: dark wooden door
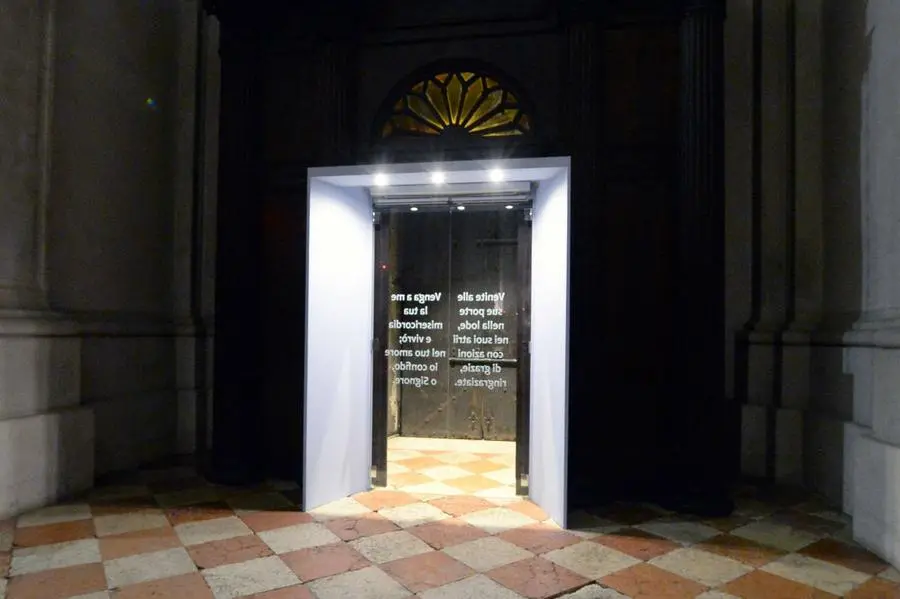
{"type": "Point", "coordinates": [484, 290]}
{"type": "Point", "coordinates": [450, 292]}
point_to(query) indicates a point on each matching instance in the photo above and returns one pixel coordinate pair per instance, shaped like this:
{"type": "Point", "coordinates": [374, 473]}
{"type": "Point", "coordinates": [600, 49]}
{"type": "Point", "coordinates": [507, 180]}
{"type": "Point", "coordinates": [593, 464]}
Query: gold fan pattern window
{"type": "Point", "coordinates": [463, 101]}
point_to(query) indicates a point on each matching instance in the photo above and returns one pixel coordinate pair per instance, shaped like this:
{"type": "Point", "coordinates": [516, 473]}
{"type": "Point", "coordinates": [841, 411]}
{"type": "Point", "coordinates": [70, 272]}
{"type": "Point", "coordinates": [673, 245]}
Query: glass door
{"type": "Point", "coordinates": [451, 326]}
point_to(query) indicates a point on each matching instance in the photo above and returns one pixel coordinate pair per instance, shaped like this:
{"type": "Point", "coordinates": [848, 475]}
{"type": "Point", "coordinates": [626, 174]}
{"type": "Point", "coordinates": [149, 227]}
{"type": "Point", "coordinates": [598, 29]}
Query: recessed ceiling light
{"type": "Point", "coordinates": [438, 177]}
{"type": "Point", "coordinates": [414, 209]}
{"type": "Point", "coordinates": [496, 175]}
{"type": "Point", "coordinates": [509, 207]}
{"type": "Point", "coordinates": [381, 179]}
{"type": "Point", "coordinates": [460, 207]}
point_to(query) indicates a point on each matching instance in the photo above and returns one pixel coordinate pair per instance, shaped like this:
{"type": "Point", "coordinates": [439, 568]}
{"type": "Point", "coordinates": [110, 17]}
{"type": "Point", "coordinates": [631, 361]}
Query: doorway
{"type": "Point", "coordinates": [345, 349]}
{"type": "Point", "coordinates": [451, 369]}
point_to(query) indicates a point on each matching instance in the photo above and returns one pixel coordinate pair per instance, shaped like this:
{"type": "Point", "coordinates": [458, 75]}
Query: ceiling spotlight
{"type": "Point", "coordinates": [437, 177]}
{"type": "Point", "coordinates": [460, 207]}
{"type": "Point", "coordinates": [381, 179]}
{"type": "Point", "coordinates": [414, 209]}
{"type": "Point", "coordinates": [496, 175]}
{"type": "Point", "coordinates": [509, 206]}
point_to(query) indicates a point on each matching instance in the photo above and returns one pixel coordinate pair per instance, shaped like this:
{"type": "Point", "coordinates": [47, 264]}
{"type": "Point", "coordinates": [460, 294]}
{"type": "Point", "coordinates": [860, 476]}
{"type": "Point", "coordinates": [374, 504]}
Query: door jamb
{"type": "Point", "coordinates": [523, 372]}
{"type": "Point", "coordinates": [379, 359]}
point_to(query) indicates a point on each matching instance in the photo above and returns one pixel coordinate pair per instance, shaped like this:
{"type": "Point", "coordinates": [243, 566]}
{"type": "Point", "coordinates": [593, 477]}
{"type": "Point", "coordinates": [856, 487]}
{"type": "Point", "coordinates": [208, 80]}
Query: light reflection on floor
{"type": "Point", "coordinates": [444, 467]}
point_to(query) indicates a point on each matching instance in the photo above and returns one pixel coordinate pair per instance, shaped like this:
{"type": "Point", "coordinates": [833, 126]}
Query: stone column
{"type": "Point", "coordinates": [878, 327]}
{"type": "Point", "coordinates": [46, 437]}
{"type": "Point", "coordinates": [699, 352]}
{"type": "Point", "coordinates": [237, 413]}
{"type": "Point", "coordinates": [739, 192]}
{"type": "Point", "coordinates": [581, 102]}
{"type": "Point", "coordinates": [194, 222]}
{"type": "Point", "coordinates": [872, 442]}
{"type": "Point", "coordinates": [24, 129]}
{"type": "Point", "coordinates": [335, 86]}
{"type": "Point", "coordinates": [768, 452]}
{"type": "Point", "coordinates": [806, 440]}
{"type": "Point", "coordinates": [787, 224]}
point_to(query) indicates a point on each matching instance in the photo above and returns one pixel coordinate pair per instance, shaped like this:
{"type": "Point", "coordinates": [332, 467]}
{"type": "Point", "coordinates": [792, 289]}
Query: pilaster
{"type": "Point", "coordinates": [46, 435]}
{"type": "Point", "coordinates": [699, 255]}
{"type": "Point", "coordinates": [788, 252]}
{"type": "Point", "coordinates": [336, 81]}
{"type": "Point", "coordinates": [872, 457]}
{"type": "Point", "coordinates": [238, 380]}
{"type": "Point", "coordinates": [581, 107]}
{"type": "Point", "coordinates": [27, 47]}
{"type": "Point", "coordinates": [773, 209]}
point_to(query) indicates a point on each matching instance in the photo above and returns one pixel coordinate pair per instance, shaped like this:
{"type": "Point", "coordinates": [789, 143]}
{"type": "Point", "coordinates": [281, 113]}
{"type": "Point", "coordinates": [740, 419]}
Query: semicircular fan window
{"type": "Point", "coordinates": [464, 101]}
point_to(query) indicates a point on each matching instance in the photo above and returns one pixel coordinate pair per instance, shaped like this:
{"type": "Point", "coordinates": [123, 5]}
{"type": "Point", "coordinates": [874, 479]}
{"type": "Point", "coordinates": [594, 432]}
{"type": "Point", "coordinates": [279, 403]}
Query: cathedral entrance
{"type": "Point", "coordinates": [437, 314]}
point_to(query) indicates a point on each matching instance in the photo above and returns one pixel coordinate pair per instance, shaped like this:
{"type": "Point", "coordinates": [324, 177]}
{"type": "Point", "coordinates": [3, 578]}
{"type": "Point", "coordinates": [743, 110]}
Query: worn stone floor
{"type": "Point", "coordinates": [166, 533]}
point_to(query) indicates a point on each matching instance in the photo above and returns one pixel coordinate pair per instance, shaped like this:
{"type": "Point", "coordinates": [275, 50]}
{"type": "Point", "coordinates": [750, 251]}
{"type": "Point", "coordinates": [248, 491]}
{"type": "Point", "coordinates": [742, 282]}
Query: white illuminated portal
{"type": "Point", "coordinates": [339, 320]}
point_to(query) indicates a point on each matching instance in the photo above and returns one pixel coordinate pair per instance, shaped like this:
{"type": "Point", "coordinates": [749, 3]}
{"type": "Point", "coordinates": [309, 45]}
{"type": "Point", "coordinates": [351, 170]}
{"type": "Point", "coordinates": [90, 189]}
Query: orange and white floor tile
{"type": "Point", "coordinates": [444, 467]}
{"type": "Point", "coordinates": [166, 533]}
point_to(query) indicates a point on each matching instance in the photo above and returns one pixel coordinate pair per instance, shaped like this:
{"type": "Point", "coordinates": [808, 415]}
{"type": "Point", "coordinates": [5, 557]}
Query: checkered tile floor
{"type": "Point", "coordinates": [165, 533]}
{"type": "Point", "coordinates": [452, 467]}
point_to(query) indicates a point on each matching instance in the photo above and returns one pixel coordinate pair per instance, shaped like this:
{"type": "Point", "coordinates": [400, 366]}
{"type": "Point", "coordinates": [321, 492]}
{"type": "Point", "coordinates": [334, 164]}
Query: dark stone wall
{"type": "Point", "coordinates": [622, 228]}
{"type": "Point", "coordinates": [603, 81]}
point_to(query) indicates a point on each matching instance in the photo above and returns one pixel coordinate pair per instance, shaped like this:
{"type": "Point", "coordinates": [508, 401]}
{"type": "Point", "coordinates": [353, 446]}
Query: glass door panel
{"type": "Point", "coordinates": [484, 289]}
{"type": "Point", "coordinates": [418, 334]}
{"type": "Point", "coordinates": [451, 302]}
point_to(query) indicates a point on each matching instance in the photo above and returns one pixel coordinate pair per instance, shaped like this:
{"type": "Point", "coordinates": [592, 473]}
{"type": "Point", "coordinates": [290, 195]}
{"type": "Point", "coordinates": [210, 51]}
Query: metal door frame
{"type": "Point", "coordinates": [379, 359]}
{"type": "Point", "coordinates": [523, 372]}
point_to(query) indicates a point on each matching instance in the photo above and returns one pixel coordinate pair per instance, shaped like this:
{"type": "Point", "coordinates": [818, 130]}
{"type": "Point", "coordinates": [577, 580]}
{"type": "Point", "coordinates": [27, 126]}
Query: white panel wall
{"type": "Point", "coordinates": [550, 347]}
{"type": "Point", "coordinates": [340, 306]}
